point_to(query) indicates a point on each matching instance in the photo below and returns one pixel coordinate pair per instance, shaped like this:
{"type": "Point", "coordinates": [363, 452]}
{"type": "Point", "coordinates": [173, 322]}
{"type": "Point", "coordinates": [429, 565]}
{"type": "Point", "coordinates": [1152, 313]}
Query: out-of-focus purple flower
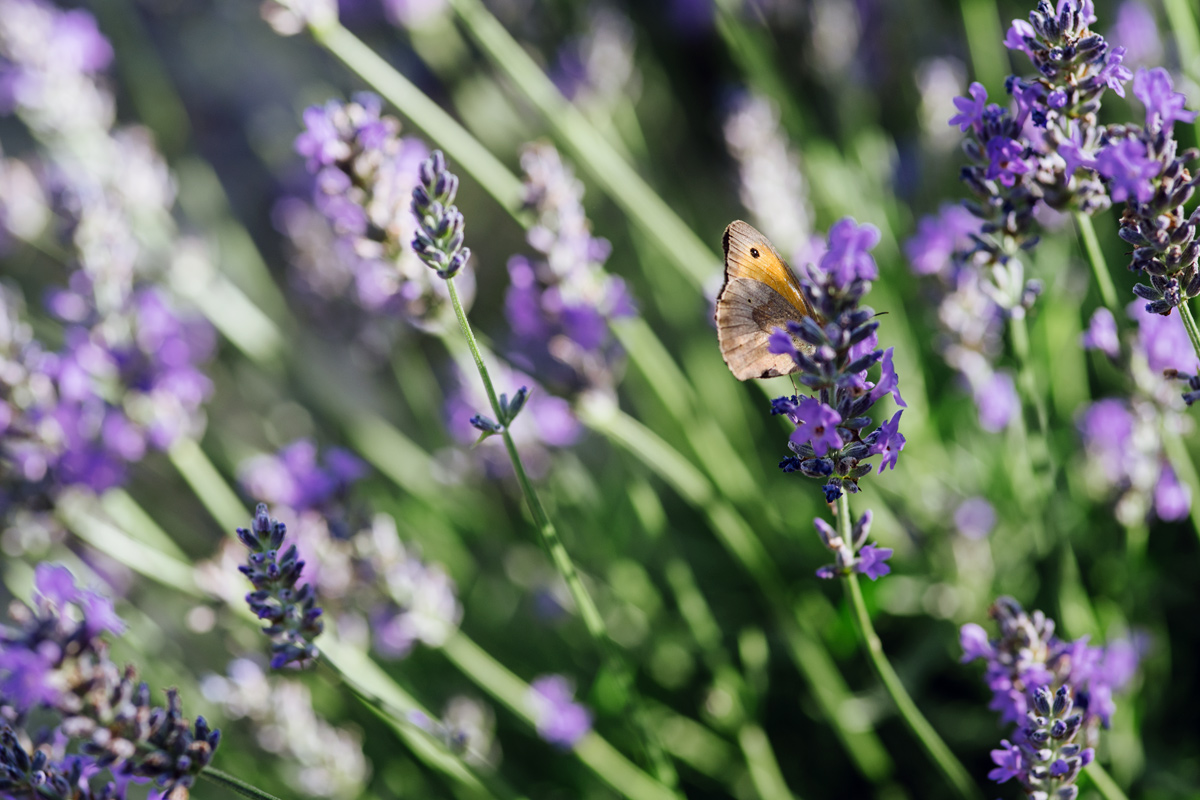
{"type": "Point", "coordinates": [294, 478]}
{"type": "Point", "coordinates": [974, 642]}
{"type": "Point", "coordinates": [1172, 500]}
{"type": "Point", "coordinates": [1164, 105]}
{"type": "Point", "coordinates": [848, 257]}
{"type": "Point", "coordinates": [1136, 30]}
{"type": "Point", "coordinates": [1130, 169]}
{"type": "Point", "coordinates": [414, 14]}
{"type": "Point", "coordinates": [974, 518]}
{"type": "Point", "coordinates": [1027, 656]}
{"type": "Point", "coordinates": [930, 251]}
{"type": "Point", "coordinates": [997, 401]}
{"type": "Point", "coordinates": [559, 719]}
{"type": "Point", "coordinates": [1163, 340]}
{"type": "Point", "coordinates": [560, 305]}
{"type": "Point", "coordinates": [1101, 334]}
{"type": "Point", "coordinates": [872, 561]}
{"type": "Point", "coordinates": [364, 173]}
{"type": "Point", "coordinates": [55, 670]}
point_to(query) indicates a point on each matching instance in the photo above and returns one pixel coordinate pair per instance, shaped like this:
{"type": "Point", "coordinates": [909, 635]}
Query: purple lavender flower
{"type": "Point", "coordinates": [833, 357]}
{"type": "Point", "coordinates": [559, 719]}
{"type": "Point", "coordinates": [1101, 334]}
{"type": "Point", "coordinates": [1164, 105]}
{"type": "Point", "coordinates": [872, 561]}
{"type": "Point", "coordinates": [292, 612]}
{"type": "Point", "coordinates": [55, 672]}
{"type": "Point", "coordinates": [997, 401]}
{"type": "Point", "coordinates": [854, 555]}
{"type": "Point", "coordinates": [1027, 656]}
{"type": "Point", "coordinates": [560, 305]}
{"type": "Point", "coordinates": [1129, 170]}
{"type": "Point", "coordinates": [1045, 759]}
{"type": "Point", "coordinates": [1146, 169]}
{"type": "Point", "coordinates": [439, 237]}
{"type": "Point", "coordinates": [1136, 30]}
{"type": "Point", "coordinates": [364, 176]}
{"type": "Point", "coordinates": [939, 238]}
{"type": "Point", "coordinates": [294, 478]}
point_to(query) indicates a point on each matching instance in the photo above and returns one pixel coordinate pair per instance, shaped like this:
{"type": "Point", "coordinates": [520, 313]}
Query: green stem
{"type": "Point", "coordinates": [809, 655]}
{"type": "Point", "coordinates": [1190, 324]}
{"type": "Point", "coordinates": [1108, 292]}
{"type": "Point", "coordinates": [950, 766]}
{"type": "Point", "coordinates": [236, 785]}
{"type": "Point", "coordinates": [1104, 782]}
{"type": "Point", "coordinates": [1183, 24]}
{"type": "Point", "coordinates": [981, 22]}
{"type": "Point", "coordinates": [562, 560]}
{"type": "Point", "coordinates": [1020, 343]}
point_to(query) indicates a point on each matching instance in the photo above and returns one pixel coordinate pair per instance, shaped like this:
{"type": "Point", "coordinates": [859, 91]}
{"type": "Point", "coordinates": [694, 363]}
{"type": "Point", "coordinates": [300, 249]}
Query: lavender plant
{"type": "Point", "coordinates": [1059, 693]}
{"type": "Point", "coordinates": [54, 664]}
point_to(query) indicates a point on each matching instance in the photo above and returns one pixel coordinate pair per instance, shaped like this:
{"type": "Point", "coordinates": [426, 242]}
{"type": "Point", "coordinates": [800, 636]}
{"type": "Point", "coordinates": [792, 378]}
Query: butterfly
{"type": "Point", "coordinates": [760, 294]}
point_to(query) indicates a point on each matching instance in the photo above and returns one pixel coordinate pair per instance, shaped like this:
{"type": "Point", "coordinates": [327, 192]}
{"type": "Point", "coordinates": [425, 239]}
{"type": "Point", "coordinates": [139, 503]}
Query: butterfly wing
{"type": "Point", "coordinates": [760, 294]}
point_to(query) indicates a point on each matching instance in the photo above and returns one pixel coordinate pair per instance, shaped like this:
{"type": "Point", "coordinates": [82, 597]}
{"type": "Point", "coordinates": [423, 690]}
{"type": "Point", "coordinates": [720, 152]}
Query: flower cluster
{"type": "Point", "coordinates": [127, 376]}
{"type": "Point", "coordinates": [378, 588]}
{"type": "Point", "coordinates": [1045, 759]}
{"type": "Point", "coordinates": [293, 613]}
{"type": "Point", "coordinates": [1144, 168]}
{"type": "Point", "coordinates": [1028, 656]}
{"type": "Point", "coordinates": [364, 176]}
{"type": "Point", "coordinates": [971, 314]}
{"type": "Point", "coordinates": [833, 351]}
{"type": "Point", "coordinates": [1123, 438]}
{"type": "Point", "coordinates": [855, 555]}
{"type": "Point", "coordinates": [1055, 691]}
{"type": "Point", "coordinates": [557, 717]}
{"type": "Point", "coordinates": [561, 304]}
{"type": "Point", "coordinates": [53, 660]}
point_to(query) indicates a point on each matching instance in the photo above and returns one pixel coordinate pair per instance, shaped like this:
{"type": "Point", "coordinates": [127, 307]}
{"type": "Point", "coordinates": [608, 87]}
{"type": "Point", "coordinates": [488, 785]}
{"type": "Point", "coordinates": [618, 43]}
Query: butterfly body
{"type": "Point", "coordinates": [760, 294]}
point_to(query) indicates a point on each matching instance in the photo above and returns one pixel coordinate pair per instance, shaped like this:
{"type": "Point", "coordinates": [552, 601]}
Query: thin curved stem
{"type": "Point", "coordinates": [1104, 282]}
{"type": "Point", "coordinates": [553, 543]}
{"type": "Point", "coordinates": [1189, 323]}
{"type": "Point", "coordinates": [236, 785]}
{"type": "Point", "coordinates": [955, 773]}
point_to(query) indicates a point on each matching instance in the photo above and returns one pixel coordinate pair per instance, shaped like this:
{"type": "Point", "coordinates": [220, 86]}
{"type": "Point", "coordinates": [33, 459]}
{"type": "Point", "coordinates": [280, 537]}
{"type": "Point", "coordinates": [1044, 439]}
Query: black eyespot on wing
{"type": "Point", "coordinates": [754, 252]}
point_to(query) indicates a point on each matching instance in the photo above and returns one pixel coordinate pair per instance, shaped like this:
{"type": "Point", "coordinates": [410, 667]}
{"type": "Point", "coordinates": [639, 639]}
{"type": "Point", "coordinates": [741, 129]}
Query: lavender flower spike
{"type": "Point", "coordinates": [439, 239]}
{"type": "Point", "coordinates": [833, 356]}
{"type": "Point", "coordinates": [293, 613]}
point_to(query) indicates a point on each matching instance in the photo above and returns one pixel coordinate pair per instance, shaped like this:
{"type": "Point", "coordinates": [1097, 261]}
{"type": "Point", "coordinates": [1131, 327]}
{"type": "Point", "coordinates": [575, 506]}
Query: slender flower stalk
{"type": "Point", "coordinates": [955, 773]}
{"type": "Point", "coordinates": [440, 243]}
